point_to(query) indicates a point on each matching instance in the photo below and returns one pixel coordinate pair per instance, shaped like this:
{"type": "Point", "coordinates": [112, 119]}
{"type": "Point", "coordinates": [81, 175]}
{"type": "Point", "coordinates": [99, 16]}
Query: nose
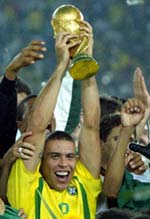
{"type": "Point", "coordinates": [63, 161]}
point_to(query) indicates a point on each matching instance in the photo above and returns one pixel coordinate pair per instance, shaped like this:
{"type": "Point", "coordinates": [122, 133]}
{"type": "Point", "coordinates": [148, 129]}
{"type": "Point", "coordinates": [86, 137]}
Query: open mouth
{"type": "Point", "coordinates": [62, 176]}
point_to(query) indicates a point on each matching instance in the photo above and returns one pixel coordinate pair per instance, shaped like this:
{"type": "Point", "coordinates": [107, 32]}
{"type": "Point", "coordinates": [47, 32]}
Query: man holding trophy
{"type": "Point", "coordinates": [55, 182]}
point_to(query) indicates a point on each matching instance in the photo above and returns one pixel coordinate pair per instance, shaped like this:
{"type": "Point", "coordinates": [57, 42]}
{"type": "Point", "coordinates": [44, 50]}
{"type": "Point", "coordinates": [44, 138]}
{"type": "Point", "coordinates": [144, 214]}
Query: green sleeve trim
{"type": "Point", "coordinates": [75, 107]}
{"type": "Point", "coordinates": [84, 198]}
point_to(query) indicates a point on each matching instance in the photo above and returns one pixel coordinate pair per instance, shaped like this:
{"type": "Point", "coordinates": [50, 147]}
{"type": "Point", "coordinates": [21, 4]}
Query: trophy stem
{"type": "Point", "coordinates": [83, 67]}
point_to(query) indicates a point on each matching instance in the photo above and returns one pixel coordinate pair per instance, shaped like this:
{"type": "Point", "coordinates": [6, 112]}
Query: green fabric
{"type": "Point", "coordinates": [85, 201]}
{"type": "Point", "coordinates": [10, 213]}
{"type": "Point", "coordinates": [75, 107]}
{"type": "Point", "coordinates": [133, 194]}
{"type": "Point", "coordinates": [38, 199]}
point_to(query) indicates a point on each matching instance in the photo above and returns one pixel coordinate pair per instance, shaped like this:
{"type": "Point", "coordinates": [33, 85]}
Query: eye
{"type": "Point", "coordinates": [54, 156]}
{"type": "Point", "coordinates": [71, 156]}
{"type": "Point", "coordinates": [115, 138]}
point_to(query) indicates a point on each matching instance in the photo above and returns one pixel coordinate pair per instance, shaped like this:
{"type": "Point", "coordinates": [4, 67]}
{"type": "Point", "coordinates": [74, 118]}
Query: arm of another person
{"type": "Point", "coordinates": [9, 158]}
{"type": "Point", "coordinates": [89, 142]}
{"type": "Point", "coordinates": [27, 56]}
{"type": "Point", "coordinates": [8, 96]}
{"type": "Point", "coordinates": [141, 93]}
{"type": "Point", "coordinates": [45, 103]}
{"type": "Point", "coordinates": [131, 114]}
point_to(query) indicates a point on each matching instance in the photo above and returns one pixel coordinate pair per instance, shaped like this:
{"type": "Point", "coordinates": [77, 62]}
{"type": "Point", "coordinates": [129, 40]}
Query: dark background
{"type": "Point", "coordinates": [122, 39]}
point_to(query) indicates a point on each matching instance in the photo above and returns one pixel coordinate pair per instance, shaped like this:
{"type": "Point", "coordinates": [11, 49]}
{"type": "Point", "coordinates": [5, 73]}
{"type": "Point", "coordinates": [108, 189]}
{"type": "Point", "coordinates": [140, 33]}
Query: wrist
{"type": "Point", "coordinates": [6, 165]}
{"type": "Point", "coordinates": [61, 69]}
{"type": "Point", "coordinates": [11, 74]}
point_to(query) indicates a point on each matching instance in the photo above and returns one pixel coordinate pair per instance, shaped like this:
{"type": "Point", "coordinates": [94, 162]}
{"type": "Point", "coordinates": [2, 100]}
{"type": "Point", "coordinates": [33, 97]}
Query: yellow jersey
{"type": "Point", "coordinates": [31, 192]}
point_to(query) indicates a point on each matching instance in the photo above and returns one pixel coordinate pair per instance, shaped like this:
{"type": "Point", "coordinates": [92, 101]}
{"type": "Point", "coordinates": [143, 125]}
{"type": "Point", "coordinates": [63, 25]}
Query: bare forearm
{"type": "Point", "coordinates": [46, 101]}
{"type": "Point", "coordinates": [115, 171]}
{"type": "Point", "coordinates": [90, 102]}
{"type": "Point", "coordinates": [4, 174]}
{"type": "Point", "coordinates": [89, 148]}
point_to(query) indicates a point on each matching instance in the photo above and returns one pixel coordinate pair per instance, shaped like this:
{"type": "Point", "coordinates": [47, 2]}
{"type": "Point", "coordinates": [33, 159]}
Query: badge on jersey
{"type": "Point", "coordinates": [72, 190]}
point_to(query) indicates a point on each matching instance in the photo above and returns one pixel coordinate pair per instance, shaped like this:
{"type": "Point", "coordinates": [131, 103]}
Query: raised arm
{"type": "Point", "coordinates": [131, 114]}
{"type": "Point", "coordinates": [46, 101]}
{"type": "Point", "coordinates": [141, 92]}
{"type": "Point", "coordinates": [89, 142]}
{"type": "Point", "coordinates": [8, 96]}
{"type": "Point", "coordinates": [27, 56]}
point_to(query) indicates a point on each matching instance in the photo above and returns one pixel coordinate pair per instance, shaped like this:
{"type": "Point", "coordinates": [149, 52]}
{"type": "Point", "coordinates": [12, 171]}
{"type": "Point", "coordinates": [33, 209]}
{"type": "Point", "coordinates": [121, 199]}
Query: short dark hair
{"type": "Point", "coordinates": [22, 86]}
{"type": "Point", "coordinates": [109, 105]}
{"type": "Point", "coordinates": [107, 123]}
{"type": "Point", "coordinates": [59, 135]}
{"type": "Point", "coordinates": [21, 107]}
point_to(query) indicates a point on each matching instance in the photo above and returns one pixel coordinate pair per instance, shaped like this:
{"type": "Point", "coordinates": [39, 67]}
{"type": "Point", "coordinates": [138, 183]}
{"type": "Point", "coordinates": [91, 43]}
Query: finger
{"type": "Point", "coordinates": [64, 37]}
{"type": "Point", "coordinates": [136, 89]}
{"type": "Point", "coordinates": [28, 152]}
{"type": "Point", "coordinates": [143, 168]}
{"type": "Point", "coordinates": [36, 48]}
{"type": "Point", "coordinates": [86, 31]}
{"type": "Point", "coordinates": [86, 25]}
{"type": "Point", "coordinates": [136, 164]}
{"type": "Point", "coordinates": [26, 134]}
{"type": "Point", "coordinates": [34, 55]}
{"type": "Point", "coordinates": [28, 146]}
{"type": "Point", "coordinates": [37, 42]}
{"type": "Point", "coordinates": [134, 106]}
{"type": "Point", "coordinates": [87, 35]}
{"type": "Point", "coordinates": [75, 43]}
{"type": "Point", "coordinates": [128, 157]}
{"type": "Point", "coordinates": [22, 214]}
{"type": "Point", "coordinates": [25, 156]}
{"type": "Point", "coordinates": [71, 37]}
{"type": "Point", "coordinates": [60, 36]}
{"type": "Point", "coordinates": [19, 142]}
{"type": "Point", "coordinates": [29, 61]}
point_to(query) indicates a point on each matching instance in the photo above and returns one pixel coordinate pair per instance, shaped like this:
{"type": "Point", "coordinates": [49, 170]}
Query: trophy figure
{"type": "Point", "coordinates": [68, 18]}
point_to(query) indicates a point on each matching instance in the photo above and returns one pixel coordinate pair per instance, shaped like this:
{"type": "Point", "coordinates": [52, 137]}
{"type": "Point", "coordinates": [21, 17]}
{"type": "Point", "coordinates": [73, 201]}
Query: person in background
{"type": "Point", "coordinates": [8, 95]}
{"type": "Point", "coordinates": [131, 115]}
{"type": "Point", "coordinates": [109, 105]}
{"type": "Point", "coordinates": [23, 89]}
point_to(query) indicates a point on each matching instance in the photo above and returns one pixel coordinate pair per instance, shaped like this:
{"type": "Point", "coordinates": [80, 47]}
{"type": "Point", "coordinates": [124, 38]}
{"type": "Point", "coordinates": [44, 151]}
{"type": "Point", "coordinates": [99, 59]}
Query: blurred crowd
{"type": "Point", "coordinates": [121, 35]}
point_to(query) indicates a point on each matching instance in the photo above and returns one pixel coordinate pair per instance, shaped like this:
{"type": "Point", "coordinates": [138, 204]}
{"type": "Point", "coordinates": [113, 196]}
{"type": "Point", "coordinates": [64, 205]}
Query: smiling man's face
{"type": "Point", "coordinates": [58, 163]}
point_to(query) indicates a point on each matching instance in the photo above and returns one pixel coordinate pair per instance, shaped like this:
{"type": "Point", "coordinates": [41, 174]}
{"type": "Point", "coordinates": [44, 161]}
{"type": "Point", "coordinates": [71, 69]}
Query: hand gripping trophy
{"type": "Point", "coordinates": [68, 18]}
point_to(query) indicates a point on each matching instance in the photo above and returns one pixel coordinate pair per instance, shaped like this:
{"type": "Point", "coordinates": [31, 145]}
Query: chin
{"type": "Point", "coordinates": [61, 188]}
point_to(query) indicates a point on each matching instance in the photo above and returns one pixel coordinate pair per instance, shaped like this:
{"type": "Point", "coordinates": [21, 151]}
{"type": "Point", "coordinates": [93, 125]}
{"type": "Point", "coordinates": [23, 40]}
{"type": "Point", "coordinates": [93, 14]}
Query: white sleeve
{"type": "Point", "coordinates": [62, 108]}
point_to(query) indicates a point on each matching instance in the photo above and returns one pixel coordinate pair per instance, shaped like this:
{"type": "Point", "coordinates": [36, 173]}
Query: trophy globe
{"type": "Point", "coordinates": [69, 18]}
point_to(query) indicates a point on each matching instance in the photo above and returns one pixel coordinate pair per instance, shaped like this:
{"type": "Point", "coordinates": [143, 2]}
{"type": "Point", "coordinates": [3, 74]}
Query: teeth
{"type": "Point", "coordinates": [62, 173]}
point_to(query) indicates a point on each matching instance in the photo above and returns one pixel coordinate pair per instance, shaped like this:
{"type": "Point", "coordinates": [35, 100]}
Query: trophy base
{"type": "Point", "coordinates": [83, 67]}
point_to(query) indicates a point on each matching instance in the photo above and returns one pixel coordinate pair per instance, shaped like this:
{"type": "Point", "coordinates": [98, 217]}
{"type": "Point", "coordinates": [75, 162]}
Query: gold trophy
{"type": "Point", "coordinates": [68, 18]}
